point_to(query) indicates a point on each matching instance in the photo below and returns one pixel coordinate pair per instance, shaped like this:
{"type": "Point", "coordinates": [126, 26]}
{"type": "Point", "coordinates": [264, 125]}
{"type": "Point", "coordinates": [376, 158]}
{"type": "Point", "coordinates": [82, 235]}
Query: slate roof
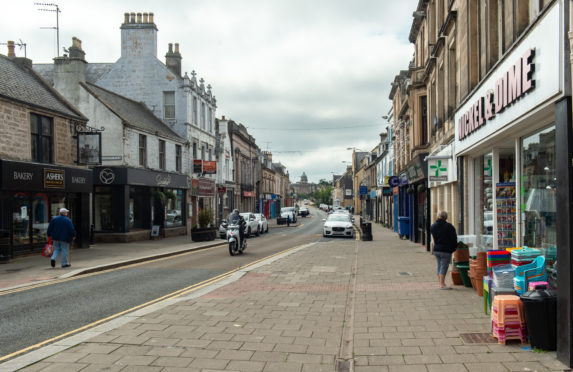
{"type": "Point", "coordinates": [135, 114]}
{"type": "Point", "coordinates": [23, 85]}
{"type": "Point", "coordinates": [93, 71]}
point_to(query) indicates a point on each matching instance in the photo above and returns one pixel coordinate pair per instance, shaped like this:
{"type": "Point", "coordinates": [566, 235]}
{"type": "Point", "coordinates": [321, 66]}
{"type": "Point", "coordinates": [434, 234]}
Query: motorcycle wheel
{"type": "Point", "coordinates": [243, 248]}
{"type": "Point", "coordinates": [233, 248]}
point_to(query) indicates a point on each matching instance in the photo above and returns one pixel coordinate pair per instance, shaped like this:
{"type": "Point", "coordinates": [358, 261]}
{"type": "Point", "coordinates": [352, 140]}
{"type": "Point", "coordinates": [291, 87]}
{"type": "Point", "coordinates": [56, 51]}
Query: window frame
{"type": "Point", "coordinates": [143, 150]}
{"type": "Point", "coordinates": [161, 145]}
{"type": "Point", "coordinates": [170, 106]}
{"type": "Point", "coordinates": [178, 156]}
{"type": "Point", "coordinates": [37, 140]}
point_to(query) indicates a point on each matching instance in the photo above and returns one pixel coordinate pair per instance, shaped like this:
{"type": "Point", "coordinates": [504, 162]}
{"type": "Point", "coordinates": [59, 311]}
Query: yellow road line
{"type": "Point", "coordinates": [169, 296]}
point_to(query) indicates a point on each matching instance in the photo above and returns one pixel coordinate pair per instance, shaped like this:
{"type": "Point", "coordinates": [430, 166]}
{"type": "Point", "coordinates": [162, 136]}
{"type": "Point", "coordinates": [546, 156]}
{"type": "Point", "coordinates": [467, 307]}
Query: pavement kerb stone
{"type": "Point", "coordinates": [152, 257]}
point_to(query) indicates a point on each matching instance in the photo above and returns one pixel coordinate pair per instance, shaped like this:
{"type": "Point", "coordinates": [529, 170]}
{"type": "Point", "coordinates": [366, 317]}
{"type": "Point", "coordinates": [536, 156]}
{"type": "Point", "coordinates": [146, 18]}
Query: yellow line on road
{"type": "Point", "coordinates": [169, 296]}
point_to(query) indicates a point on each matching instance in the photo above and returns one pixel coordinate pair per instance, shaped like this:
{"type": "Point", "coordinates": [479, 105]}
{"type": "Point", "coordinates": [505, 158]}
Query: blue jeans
{"type": "Point", "coordinates": [63, 248]}
{"type": "Point", "coordinates": [443, 259]}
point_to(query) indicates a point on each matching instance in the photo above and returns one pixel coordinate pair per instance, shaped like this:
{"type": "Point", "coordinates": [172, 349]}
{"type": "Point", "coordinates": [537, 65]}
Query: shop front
{"type": "Point", "coordinates": [506, 141]}
{"type": "Point", "coordinates": [414, 201]}
{"type": "Point", "coordinates": [31, 195]}
{"type": "Point", "coordinates": [128, 202]}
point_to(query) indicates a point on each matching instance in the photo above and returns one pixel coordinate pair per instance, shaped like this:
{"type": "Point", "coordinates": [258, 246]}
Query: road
{"type": "Point", "coordinates": [38, 314]}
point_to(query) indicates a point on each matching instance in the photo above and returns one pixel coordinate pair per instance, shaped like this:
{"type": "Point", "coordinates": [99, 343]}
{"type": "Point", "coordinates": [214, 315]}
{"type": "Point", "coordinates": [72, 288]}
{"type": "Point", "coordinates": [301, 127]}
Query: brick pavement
{"type": "Point", "coordinates": [300, 312]}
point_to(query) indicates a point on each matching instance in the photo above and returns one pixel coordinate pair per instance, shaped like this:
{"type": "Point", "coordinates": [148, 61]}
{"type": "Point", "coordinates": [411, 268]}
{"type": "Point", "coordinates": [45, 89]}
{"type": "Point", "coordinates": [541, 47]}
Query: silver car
{"type": "Point", "coordinates": [263, 224]}
{"type": "Point", "coordinates": [338, 224]}
{"type": "Point", "coordinates": [252, 224]}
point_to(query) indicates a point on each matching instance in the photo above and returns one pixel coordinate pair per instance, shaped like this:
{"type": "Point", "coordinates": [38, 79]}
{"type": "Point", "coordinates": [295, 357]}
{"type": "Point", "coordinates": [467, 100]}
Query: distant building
{"type": "Point", "coordinates": [303, 187]}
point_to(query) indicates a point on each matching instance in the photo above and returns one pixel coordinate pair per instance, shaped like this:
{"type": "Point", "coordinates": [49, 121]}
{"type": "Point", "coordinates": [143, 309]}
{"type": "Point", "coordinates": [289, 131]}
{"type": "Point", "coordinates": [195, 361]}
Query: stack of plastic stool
{"type": "Point", "coordinates": [508, 319]}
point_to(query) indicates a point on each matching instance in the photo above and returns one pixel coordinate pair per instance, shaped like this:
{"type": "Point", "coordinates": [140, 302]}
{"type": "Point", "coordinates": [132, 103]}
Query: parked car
{"type": "Point", "coordinates": [303, 211]}
{"type": "Point", "coordinates": [263, 224]}
{"type": "Point", "coordinates": [290, 213]}
{"type": "Point", "coordinates": [338, 224]}
{"type": "Point", "coordinates": [223, 230]}
{"type": "Point", "coordinates": [252, 224]}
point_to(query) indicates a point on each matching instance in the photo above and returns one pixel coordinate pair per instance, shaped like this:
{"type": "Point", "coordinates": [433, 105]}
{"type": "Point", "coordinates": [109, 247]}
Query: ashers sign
{"type": "Point", "coordinates": [54, 178]}
{"type": "Point", "coordinates": [509, 87]}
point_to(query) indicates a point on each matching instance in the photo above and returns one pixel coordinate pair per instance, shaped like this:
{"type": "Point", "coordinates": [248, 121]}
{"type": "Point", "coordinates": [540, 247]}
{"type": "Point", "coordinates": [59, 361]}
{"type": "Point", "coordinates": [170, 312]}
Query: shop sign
{"type": "Point", "coordinates": [206, 187]}
{"type": "Point", "coordinates": [438, 171]}
{"type": "Point", "coordinates": [348, 192]}
{"type": "Point", "coordinates": [530, 75]}
{"type": "Point", "coordinates": [221, 190]}
{"type": "Point", "coordinates": [403, 179]}
{"type": "Point", "coordinates": [363, 190]}
{"type": "Point", "coordinates": [509, 87]}
{"type": "Point", "coordinates": [273, 196]}
{"type": "Point", "coordinates": [89, 148]}
{"type": "Point", "coordinates": [194, 187]}
{"type": "Point", "coordinates": [209, 167]}
{"type": "Point", "coordinates": [396, 190]}
{"type": "Point", "coordinates": [387, 191]}
{"type": "Point", "coordinates": [386, 179]}
{"type": "Point", "coordinates": [33, 177]}
{"type": "Point", "coordinates": [249, 194]}
{"type": "Point", "coordinates": [393, 181]}
{"type": "Point", "coordinates": [373, 194]}
{"type": "Point", "coordinates": [197, 166]}
{"type": "Point", "coordinates": [54, 178]}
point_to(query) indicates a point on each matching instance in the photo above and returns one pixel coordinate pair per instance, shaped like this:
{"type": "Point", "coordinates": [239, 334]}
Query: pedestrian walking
{"type": "Point", "coordinates": [445, 242]}
{"type": "Point", "coordinates": [61, 230]}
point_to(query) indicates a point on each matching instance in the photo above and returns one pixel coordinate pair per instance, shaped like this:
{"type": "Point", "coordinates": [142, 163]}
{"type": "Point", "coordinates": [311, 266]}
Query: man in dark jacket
{"type": "Point", "coordinates": [62, 232]}
{"type": "Point", "coordinates": [445, 242]}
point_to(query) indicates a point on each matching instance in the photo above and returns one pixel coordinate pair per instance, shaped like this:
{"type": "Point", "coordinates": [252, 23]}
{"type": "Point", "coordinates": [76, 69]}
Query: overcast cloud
{"type": "Point", "coordinates": [308, 78]}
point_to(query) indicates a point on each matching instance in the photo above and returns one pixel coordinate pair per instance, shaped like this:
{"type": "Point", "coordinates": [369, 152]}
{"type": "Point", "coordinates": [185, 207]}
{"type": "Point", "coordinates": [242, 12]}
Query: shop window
{"type": "Point", "coordinates": [174, 215]}
{"type": "Point", "coordinates": [21, 219]}
{"type": "Point", "coordinates": [40, 218]}
{"type": "Point", "coordinates": [103, 211]}
{"type": "Point", "coordinates": [42, 138]}
{"type": "Point", "coordinates": [538, 202]}
{"type": "Point", "coordinates": [483, 217]}
{"type": "Point", "coordinates": [138, 200]}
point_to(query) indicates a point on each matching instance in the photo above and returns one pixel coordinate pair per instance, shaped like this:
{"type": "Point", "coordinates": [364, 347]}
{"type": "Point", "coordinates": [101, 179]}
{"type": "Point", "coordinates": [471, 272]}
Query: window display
{"type": "Point", "coordinates": [483, 220]}
{"type": "Point", "coordinates": [538, 191]}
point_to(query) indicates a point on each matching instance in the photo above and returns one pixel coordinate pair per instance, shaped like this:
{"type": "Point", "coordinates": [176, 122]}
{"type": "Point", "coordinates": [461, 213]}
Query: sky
{"type": "Point", "coordinates": [309, 79]}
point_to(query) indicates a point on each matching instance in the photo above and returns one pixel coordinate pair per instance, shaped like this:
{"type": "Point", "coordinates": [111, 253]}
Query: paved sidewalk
{"type": "Point", "coordinates": [24, 271]}
{"type": "Point", "coordinates": [368, 306]}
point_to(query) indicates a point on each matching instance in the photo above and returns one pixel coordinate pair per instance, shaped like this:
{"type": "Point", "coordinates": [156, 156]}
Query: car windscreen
{"type": "Point", "coordinates": [338, 217]}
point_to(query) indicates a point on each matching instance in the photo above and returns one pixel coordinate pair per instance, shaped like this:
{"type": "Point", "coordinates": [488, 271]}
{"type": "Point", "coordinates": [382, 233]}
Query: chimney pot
{"type": "Point", "coordinates": [223, 117]}
{"type": "Point", "coordinates": [139, 17]}
{"type": "Point", "coordinates": [132, 18]}
{"type": "Point", "coordinates": [126, 18]}
{"type": "Point", "coordinates": [150, 17]}
{"type": "Point", "coordinates": [170, 48]}
{"type": "Point", "coordinates": [145, 18]}
{"type": "Point", "coordinates": [11, 49]}
{"type": "Point", "coordinates": [176, 47]}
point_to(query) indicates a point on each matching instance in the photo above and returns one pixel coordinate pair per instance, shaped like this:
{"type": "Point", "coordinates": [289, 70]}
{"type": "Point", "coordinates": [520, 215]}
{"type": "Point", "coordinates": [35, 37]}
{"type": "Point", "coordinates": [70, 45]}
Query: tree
{"type": "Point", "coordinates": [323, 195]}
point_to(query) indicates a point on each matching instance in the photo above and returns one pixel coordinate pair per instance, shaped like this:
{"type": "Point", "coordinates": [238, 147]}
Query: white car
{"type": "Point", "coordinates": [338, 224]}
{"type": "Point", "coordinates": [263, 224]}
{"type": "Point", "coordinates": [252, 224]}
{"type": "Point", "coordinates": [290, 213]}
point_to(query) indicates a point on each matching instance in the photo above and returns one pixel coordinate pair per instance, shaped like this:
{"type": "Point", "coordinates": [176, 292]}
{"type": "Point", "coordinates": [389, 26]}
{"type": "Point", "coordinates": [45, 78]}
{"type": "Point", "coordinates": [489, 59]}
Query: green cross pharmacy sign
{"type": "Point", "coordinates": [438, 171]}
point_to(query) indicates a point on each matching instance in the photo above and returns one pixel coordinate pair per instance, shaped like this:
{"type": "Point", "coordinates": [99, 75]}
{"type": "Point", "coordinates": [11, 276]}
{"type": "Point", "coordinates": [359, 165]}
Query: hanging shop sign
{"type": "Point", "coordinates": [194, 187]}
{"type": "Point", "coordinates": [206, 187]}
{"type": "Point", "coordinates": [89, 148]}
{"type": "Point", "coordinates": [363, 190]}
{"type": "Point", "coordinates": [373, 194]}
{"type": "Point", "coordinates": [348, 192]}
{"type": "Point", "coordinates": [209, 167]}
{"type": "Point", "coordinates": [197, 166]}
{"type": "Point", "coordinates": [221, 190]}
{"type": "Point", "coordinates": [403, 179]}
{"type": "Point", "coordinates": [528, 77]}
{"type": "Point", "coordinates": [438, 170]}
{"type": "Point", "coordinates": [387, 191]}
{"type": "Point", "coordinates": [249, 194]}
{"type": "Point", "coordinates": [393, 181]}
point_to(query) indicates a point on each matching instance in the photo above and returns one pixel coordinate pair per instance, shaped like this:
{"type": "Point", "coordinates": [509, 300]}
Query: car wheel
{"type": "Point", "coordinates": [249, 232]}
{"type": "Point", "coordinates": [267, 230]}
{"type": "Point", "coordinates": [258, 231]}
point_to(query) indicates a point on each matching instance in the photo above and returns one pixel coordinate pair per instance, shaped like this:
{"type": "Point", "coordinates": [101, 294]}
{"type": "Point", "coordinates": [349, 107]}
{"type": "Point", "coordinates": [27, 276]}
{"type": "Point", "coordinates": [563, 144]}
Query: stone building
{"type": "Point", "coordinates": [303, 187]}
{"type": "Point", "coordinates": [41, 172]}
{"type": "Point", "coordinates": [225, 181]}
{"type": "Point", "coordinates": [246, 163]}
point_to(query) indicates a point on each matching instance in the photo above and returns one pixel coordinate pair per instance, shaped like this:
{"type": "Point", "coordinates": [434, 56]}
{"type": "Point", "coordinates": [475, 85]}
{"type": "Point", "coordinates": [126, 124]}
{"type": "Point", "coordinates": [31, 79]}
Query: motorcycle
{"type": "Point", "coordinates": [236, 246]}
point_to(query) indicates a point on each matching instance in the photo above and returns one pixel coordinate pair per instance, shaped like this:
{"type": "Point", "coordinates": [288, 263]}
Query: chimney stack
{"type": "Point", "coordinates": [173, 59]}
{"type": "Point", "coordinates": [11, 49]}
{"type": "Point", "coordinates": [138, 35]}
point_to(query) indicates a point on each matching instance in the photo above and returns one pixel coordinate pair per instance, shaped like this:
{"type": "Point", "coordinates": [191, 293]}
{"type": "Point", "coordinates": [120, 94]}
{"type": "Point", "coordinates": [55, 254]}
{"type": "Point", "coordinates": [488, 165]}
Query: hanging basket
{"type": "Point", "coordinates": [421, 187]}
{"type": "Point", "coordinates": [410, 190]}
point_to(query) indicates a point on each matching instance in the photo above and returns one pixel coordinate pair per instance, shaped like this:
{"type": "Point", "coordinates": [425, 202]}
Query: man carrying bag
{"type": "Point", "coordinates": [62, 232]}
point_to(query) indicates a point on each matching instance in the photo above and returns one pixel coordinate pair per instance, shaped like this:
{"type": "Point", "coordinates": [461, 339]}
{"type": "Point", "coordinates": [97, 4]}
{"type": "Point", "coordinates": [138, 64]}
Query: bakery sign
{"type": "Point", "coordinates": [509, 87]}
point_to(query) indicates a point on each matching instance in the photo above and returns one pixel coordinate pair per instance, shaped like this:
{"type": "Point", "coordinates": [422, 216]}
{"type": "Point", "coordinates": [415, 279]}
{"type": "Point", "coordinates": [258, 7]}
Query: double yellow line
{"type": "Point", "coordinates": [169, 296]}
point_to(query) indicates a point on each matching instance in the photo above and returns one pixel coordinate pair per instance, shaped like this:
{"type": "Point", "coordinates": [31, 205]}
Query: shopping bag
{"type": "Point", "coordinates": [48, 249]}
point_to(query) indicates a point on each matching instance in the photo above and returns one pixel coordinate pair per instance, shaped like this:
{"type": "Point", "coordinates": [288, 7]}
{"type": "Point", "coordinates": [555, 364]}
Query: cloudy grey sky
{"type": "Point", "coordinates": [308, 78]}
